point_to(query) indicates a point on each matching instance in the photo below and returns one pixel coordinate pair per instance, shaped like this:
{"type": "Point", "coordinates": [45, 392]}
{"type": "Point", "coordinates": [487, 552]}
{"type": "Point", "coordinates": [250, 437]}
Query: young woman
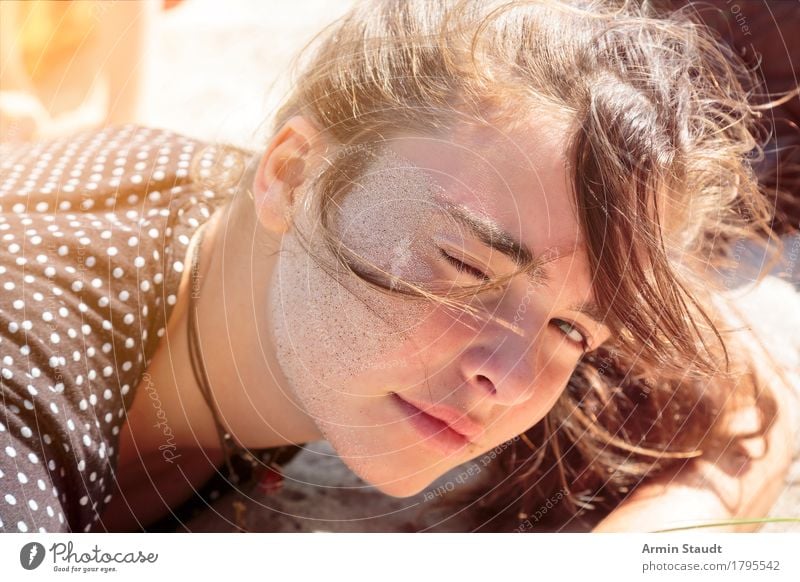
{"type": "Point", "coordinates": [477, 226]}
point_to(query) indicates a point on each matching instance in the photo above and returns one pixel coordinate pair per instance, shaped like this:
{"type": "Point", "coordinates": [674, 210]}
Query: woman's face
{"type": "Point", "coordinates": [407, 389]}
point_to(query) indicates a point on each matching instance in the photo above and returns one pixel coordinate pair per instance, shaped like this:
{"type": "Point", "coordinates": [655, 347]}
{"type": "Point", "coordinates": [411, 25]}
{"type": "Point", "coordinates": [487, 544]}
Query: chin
{"type": "Point", "coordinates": [403, 488]}
{"type": "Point", "coordinates": [394, 479]}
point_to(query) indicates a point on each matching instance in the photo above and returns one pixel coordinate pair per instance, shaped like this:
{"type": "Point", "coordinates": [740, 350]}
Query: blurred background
{"type": "Point", "coordinates": [209, 69]}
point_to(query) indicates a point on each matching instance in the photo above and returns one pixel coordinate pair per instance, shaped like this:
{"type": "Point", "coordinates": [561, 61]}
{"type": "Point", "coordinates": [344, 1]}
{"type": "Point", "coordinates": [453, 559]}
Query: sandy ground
{"type": "Point", "coordinates": [217, 75]}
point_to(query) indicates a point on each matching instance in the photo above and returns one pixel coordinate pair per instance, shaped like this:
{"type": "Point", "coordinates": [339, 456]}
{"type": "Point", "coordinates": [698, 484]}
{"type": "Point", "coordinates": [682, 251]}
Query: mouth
{"type": "Point", "coordinates": [432, 425]}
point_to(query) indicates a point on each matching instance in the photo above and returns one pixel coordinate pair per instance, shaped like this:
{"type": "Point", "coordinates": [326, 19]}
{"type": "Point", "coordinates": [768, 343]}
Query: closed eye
{"type": "Point", "coordinates": [464, 267]}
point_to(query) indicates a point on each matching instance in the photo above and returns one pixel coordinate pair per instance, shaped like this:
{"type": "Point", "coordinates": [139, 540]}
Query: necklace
{"type": "Point", "coordinates": [267, 469]}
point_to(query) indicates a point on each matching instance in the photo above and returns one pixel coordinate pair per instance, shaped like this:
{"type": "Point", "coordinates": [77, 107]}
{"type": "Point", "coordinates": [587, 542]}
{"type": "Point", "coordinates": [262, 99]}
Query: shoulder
{"type": "Point", "coordinates": [89, 260]}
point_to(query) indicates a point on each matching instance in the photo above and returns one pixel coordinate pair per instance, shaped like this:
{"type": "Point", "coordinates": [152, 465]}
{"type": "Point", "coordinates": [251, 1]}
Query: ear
{"type": "Point", "coordinates": [296, 147]}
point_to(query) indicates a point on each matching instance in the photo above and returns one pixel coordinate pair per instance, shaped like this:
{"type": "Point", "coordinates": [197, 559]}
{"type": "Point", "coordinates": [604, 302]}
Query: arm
{"type": "Point", "coordinates": [123, 34]}
{"type": "Point", "coordinates": [740, 483]}
{"type": "Point", "coordinates": [22, 113]}
{"type": "Point", "coordinates": [707, 491]}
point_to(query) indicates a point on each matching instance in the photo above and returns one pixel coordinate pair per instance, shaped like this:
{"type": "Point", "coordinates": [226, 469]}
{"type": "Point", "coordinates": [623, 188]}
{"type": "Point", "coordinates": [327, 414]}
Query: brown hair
{"type": "Point", "coordinates": [662, 140]}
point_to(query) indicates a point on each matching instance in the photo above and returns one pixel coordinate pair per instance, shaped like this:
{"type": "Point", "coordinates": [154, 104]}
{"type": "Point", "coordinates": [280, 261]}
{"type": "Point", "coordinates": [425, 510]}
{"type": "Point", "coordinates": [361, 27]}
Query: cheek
{"type": "Point", "coordinates": [514, 421]}
{"type": "Point", "coordinates": [329, 330]}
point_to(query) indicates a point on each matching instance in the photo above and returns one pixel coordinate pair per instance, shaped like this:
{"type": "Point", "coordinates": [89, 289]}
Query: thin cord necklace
{"type": "Point", "coordinates": [268, 469]}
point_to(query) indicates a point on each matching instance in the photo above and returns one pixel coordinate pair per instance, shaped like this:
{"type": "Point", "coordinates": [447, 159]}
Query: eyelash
{"type": "Point", "coordinates": [464, 267]}
{"type": "Point", "coordinates": [477, 273]}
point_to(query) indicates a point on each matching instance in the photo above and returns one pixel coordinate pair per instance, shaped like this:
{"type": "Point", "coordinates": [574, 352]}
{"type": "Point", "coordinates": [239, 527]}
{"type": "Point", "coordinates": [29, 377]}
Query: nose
{"type": "Point", "coordinates": [503, 369]}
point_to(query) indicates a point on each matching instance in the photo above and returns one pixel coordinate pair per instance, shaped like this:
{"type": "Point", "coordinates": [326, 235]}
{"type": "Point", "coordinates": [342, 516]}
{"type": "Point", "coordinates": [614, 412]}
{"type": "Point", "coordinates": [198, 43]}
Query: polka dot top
{"type": "Point", "coordinates": [93, 231]}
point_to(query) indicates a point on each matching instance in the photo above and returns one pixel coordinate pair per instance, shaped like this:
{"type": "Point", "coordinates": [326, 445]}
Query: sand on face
{"type": "Point", "coordinates": [218, 75]}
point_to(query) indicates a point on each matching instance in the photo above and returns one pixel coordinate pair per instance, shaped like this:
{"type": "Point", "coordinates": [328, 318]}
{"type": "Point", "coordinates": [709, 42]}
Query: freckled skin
{"type": "Point", "coordinates": [343, 346]}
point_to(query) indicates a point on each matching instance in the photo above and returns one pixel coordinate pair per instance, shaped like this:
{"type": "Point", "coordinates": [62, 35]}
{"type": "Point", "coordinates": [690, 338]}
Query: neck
{"type": "Point", "coordinates": [236, 262]}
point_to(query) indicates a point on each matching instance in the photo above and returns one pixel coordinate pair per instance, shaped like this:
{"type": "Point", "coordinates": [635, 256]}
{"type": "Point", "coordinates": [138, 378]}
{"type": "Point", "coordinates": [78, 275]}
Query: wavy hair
{"type": "Point", "coordinates": [662, 141]}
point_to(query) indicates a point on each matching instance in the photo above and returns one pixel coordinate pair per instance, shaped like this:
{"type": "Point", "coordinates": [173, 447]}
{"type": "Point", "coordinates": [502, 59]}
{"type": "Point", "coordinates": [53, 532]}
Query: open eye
{"type": "Point", "coordinates": [572, 332]}
{"type": "Point", "coordinates": [464, 267]}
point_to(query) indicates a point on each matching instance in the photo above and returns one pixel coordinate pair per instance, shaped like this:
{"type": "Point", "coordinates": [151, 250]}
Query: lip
{"type": "Point", "coordinates": [442, 427]}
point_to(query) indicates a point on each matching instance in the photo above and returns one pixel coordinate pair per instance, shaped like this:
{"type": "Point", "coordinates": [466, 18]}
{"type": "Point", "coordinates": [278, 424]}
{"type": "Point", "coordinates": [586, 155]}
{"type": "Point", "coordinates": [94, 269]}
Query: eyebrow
{"type": "Point", "coordinates": [493, 236]}
{"type": "Point", "coordinates": [591, 310]}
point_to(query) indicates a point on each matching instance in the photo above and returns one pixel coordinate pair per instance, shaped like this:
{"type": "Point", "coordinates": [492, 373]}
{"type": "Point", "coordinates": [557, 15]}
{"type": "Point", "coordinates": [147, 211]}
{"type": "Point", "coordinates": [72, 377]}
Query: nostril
{"type": "Point", "coordinates": [482, 380]}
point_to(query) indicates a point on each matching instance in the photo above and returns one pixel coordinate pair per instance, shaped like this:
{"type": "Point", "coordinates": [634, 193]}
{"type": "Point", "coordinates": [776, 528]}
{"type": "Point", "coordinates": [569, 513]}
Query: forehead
{"type": "Point", "coordinates": [519, 180]}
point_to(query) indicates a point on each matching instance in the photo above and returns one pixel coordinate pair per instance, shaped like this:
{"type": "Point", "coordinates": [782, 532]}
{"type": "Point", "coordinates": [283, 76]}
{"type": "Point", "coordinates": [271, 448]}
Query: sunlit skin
{"type": "Point", "coordinates": [503, 373]}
